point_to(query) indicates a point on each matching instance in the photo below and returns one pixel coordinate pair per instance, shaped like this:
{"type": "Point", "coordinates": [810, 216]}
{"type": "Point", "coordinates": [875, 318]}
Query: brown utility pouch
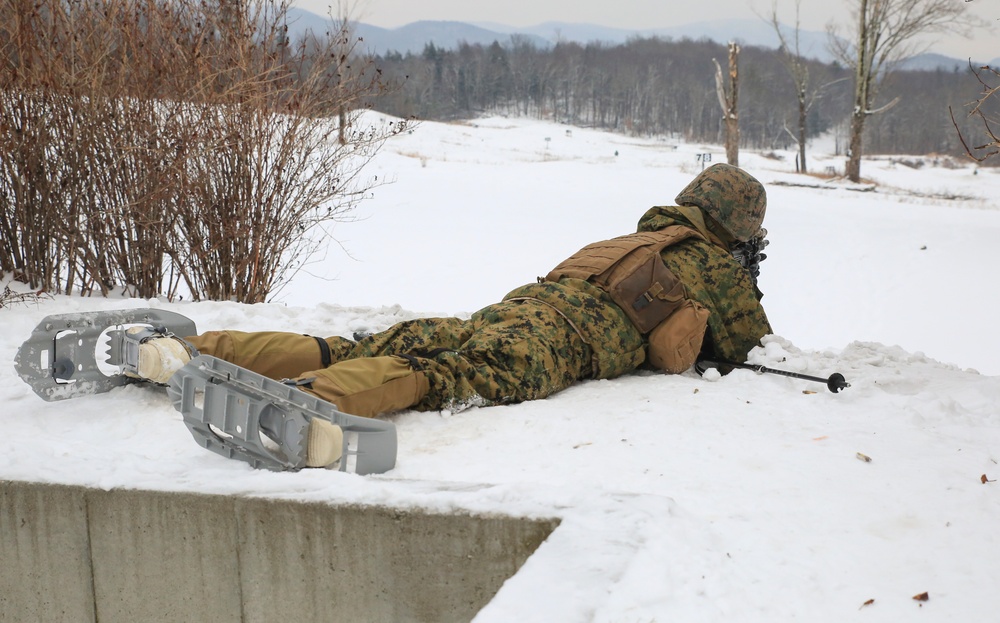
{"type": "Point", "coordinates": [675, 344]}
{"type": "Point", "coordinates": [629, 268]}
{"type": "Point", "coordinates": [645, 288]}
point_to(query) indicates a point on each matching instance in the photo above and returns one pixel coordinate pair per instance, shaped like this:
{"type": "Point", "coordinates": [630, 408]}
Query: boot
{"type": "Point", "coordinates": [323, 443]}
{"type": "Point", "coordinates": [153, 355]}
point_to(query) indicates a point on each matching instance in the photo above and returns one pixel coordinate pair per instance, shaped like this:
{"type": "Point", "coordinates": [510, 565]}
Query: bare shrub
{"type": "Point", "coordinates": [183, 145]}
{"type": "Point", "coordinates": [81, 119]}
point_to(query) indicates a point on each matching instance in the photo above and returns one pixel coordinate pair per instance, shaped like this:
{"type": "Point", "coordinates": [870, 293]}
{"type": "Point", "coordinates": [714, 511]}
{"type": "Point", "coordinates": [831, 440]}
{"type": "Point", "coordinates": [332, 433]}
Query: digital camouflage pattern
{"type": "Point", "coordinates": [730, 196]}
{"type": "Point", "coordinates": [616, 345]}
{"type": "Point", "coordinates": [509, 352]}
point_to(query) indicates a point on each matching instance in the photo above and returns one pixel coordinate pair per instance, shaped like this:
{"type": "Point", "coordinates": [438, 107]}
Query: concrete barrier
{"type": "Point", "coordinates": [85, 555]}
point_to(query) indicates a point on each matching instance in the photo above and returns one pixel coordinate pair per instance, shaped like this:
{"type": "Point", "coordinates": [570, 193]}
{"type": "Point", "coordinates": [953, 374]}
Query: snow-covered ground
{"type": "Point", "coordinates": [682, 498]}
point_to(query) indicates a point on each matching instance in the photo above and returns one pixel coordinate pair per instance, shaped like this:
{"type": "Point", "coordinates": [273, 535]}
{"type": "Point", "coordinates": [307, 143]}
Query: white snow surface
{"type": "Point", "coordinates": [682, 498]}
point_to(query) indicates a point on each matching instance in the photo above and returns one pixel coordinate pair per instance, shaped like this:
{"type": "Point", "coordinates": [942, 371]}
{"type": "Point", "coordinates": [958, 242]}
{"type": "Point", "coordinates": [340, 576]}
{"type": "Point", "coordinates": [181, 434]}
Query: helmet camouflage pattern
{"type": "Point", "coordinates": [730, 196]}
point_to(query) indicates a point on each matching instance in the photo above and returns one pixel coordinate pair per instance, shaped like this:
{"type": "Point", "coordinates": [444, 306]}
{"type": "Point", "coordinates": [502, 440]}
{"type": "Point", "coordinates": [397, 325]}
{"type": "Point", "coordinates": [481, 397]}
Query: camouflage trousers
{"type": "Point", "coordinates": [506, 353]}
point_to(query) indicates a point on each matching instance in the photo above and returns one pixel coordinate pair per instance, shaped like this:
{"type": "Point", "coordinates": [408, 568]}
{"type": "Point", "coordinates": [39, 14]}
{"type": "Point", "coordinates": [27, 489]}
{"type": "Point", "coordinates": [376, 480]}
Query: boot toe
{"type": "Point", "coordinates": [325, 444]}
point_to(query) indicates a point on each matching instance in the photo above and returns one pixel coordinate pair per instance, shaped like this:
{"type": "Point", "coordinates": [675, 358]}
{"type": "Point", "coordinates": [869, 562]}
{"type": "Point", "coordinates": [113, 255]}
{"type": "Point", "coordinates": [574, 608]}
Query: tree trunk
{"type": "Point", "coordinates": [862, 80]}
{"type": "Point", "coordinates": [732, 115]}
{"type": "Point", "coordinates": [855, 146]}
{"type": "Point", "coordinates": [803, 115]}
{"type": "Point", "coordinates": [728, 100]}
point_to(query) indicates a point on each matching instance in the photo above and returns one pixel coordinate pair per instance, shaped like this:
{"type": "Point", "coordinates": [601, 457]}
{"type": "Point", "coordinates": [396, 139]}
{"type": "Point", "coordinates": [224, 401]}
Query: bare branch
{"type": "Point", "coordinates": [894, 101]}
{"type": "Point", "coordinates": [989, 91]}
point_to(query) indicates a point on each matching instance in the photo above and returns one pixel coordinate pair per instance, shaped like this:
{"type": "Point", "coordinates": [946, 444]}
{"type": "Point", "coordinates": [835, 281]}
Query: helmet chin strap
{"type": "Point", "coordinates": [727, 239]}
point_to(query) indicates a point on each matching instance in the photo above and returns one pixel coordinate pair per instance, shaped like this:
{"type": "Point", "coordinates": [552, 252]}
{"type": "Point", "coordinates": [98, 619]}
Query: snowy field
{"type": "Point", "coordinates": [682, 498]}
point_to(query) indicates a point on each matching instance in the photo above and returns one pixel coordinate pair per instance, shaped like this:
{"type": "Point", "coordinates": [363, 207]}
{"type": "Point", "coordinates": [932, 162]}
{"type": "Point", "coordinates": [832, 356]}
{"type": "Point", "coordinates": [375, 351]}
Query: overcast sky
{"type": "Point", "coordinates": [642, 14]}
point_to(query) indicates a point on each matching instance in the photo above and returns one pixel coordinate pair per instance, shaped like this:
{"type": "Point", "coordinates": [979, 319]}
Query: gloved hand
{"type": "Point", "coordinates": [749, 254]}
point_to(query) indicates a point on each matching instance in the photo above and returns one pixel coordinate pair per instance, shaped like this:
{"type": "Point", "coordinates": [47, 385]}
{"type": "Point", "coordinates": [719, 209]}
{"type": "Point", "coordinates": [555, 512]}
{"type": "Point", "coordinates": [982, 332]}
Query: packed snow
{"type": "Point", "coordinates": [749, 497]}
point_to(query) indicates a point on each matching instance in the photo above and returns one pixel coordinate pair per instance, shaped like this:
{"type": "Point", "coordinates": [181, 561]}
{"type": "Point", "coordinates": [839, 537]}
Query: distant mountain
{"type": "Point", "coordinates": [554, 32]}
{"type": "Point", "coordinates": [931, 61]}
{"type": "Point", "coordinates": [412, 38]}
{"type": "Point", "coordinates": [300, 21]}
{"type": "Point", "coordinates": [448, 35]}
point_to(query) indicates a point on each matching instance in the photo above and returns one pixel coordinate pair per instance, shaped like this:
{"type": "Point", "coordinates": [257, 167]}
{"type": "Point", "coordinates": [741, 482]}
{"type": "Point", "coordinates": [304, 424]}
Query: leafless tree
{"type": "Point", "coordinates": [887, 31]}
{"type": "Point", "coordinates": [798, 69]}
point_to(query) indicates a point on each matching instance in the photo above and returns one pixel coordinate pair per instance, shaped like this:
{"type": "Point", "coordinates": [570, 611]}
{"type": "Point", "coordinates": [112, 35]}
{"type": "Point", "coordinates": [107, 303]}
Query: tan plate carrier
{"type": "Point", "coordinates": [629, 268]}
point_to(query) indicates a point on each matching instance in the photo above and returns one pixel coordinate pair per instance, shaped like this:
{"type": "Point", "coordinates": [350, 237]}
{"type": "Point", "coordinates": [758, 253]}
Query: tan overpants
{"type": "Point", "coordinates": [364, 387]}
{"type": "Point", "coordinates": [505, 353]}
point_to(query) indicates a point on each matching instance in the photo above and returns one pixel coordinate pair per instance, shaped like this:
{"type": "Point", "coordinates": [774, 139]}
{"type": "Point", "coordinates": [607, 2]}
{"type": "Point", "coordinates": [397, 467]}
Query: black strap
{"type": "Point", "coordinates": [324, 351]}
{"type": "Point", "coordinates": [307, 383]}
{"type": "Point", "coordinates": [431, 354]}
{"type": "Point", "coordinates": [414, 359]}
{"type": "Point", "coordinates": [414, 363]}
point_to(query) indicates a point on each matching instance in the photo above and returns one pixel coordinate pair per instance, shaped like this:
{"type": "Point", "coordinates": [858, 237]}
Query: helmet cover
{"type": "Point", "coordinates": [730, 196]}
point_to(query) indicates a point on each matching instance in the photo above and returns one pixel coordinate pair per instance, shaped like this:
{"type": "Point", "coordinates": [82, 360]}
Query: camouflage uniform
{"type": "Point", "coordinates": [540, 339]}
{"type": "Point", "coordinates": [509, 352]}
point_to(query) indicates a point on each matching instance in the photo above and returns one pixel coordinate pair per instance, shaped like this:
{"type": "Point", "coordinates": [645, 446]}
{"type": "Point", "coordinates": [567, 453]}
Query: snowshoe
{"type": "Point", "coordinates": [61, 358]}
{"type": "Point", "coordinates": [246, 416]}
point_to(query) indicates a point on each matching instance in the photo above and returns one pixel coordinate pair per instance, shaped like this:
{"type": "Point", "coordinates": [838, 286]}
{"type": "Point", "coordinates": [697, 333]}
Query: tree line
{"type": "Point", "coordinates": [653, 86]}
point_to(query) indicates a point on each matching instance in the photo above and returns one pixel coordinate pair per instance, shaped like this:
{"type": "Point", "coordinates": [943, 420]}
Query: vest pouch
{"type": "Point", "coordinates": [674, 345]}
{"type": "Point", "coordinates": [645, 289]}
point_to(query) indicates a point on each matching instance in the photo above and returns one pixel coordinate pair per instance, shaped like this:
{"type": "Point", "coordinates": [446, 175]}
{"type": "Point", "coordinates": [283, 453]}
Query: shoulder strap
{"type": "Point", "coordinates": [597, 258]}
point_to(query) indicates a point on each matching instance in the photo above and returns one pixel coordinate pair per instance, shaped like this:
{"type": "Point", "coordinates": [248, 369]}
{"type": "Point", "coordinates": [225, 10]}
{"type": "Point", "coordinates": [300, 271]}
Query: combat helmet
{"type": "Point", "coordinates": [730, 196]}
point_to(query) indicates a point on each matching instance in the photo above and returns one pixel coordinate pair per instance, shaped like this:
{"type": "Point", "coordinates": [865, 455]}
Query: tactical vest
{"type": "Point", "coordinates": [630, 270]}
